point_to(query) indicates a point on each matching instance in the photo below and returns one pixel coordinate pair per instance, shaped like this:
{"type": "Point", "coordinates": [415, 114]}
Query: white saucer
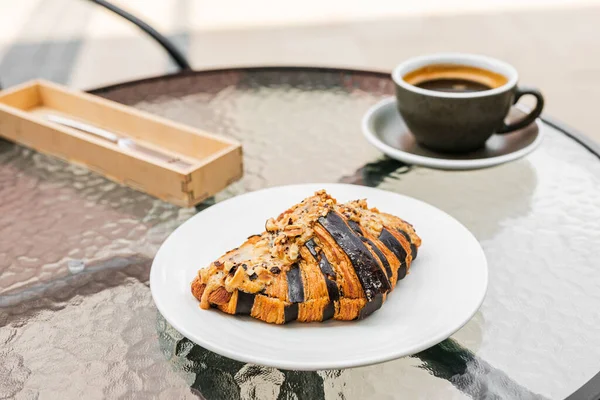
{"type": "Point", "coordinates": [383, 126]}
{"type": "Point", "coordinates": [445, 286]}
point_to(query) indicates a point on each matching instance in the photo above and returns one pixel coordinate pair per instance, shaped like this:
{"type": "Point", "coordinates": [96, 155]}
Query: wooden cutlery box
{"type": "Point", "coordinates": [205, 163]}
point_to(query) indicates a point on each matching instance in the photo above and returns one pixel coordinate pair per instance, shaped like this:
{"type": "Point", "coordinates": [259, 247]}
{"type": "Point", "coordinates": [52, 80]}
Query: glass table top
{"type": "Point", "coordinates": [76, 315]}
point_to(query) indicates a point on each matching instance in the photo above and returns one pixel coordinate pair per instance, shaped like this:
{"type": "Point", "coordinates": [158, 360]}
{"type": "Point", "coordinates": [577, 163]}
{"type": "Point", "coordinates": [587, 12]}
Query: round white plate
{"type": "Point", "coordinates": [385, 129]}
{"type": "Point", "coordinates": [445, 287]}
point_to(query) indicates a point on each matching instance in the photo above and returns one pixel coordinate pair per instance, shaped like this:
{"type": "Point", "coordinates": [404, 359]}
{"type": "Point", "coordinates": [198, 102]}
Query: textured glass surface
{"type": "Point", "coordinates": [76, 315]}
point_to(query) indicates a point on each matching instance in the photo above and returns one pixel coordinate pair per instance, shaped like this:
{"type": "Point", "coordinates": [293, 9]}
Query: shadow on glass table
{"type": "Point", "coordinates": [218, 377]}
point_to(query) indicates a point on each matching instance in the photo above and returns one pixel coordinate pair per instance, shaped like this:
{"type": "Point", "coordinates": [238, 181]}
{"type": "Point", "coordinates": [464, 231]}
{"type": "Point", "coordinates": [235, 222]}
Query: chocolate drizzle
{"type": "Point", "coordinates": [328, 311]}
{"type": "Point", "coordinates": [327, 270]}
{"type": "Point", "coordinates": [382, 258]}
{"type": "Point", "coordinates": [311, 246]}
{"type": "Point", "coordinates": [245, 302]}
{"type": "Point", "coordinates": [290, 313]}
{"type": "Point", "coordinates": [295, 286]}
{"type": "Point", "coordinates": [371, 307]}
{"type": "Point", "coordinates": [395, 247]}
{"type": "Point", "coordinates": [413, 248]}
{"type": "Point", "coordinates": [356, 228]}
{"type": "Point", "coordinates": [371, 276]}
{"type": "Point", "coordinates": [326, 267]}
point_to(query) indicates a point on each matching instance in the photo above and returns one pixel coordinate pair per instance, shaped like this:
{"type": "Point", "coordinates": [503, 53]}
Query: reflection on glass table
{"type": "Point", "coordinates": [77, 319]}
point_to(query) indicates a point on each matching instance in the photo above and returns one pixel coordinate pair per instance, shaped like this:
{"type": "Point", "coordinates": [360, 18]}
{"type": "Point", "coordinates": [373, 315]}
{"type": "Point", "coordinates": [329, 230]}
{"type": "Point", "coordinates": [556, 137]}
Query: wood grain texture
{"type": "Point", "coordinates": [215, 162]}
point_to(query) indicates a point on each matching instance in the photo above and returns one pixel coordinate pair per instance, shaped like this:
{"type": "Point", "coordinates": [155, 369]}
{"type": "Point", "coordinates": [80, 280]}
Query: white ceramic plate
{"type": "Point", "coordinates": [445, 287]}
{"type": "Point", "coordinates": [385, 129]}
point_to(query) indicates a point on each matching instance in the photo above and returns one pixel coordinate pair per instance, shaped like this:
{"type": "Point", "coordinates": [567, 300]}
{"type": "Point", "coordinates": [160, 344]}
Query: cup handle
{"type": "Point", "coordinates": [529, 118]}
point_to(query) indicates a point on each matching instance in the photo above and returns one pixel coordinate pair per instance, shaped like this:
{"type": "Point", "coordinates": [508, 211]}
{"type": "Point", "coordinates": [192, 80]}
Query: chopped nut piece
{"type": "Point", "coordinates": [270, 225]}
{"type": "Point", "coordinates": [293, 230]}
{"type": "Point", "coordinates": [293, 251]}
{"type": "Point", "coordinates": [279, 240]}
{"type": "Point", "coordinates": [219, 296]}
{"type": "Point", "coordinates": [204, 275]}
{"type": "Point", "coordinates": [274, 252]}
{"type": "Point", "coordinates": [198, 288]}
{"type": "Point", "coordinates": [233, 282]}
{"type": "Point", "coordinates": [262, 244]}
{"type": "Point", "coordinates": [228, 266]}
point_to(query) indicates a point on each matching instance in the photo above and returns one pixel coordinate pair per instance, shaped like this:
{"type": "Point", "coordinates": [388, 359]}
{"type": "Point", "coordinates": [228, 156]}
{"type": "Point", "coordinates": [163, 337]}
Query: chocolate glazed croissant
{"type": "Point", "coordinates": [316, 261]}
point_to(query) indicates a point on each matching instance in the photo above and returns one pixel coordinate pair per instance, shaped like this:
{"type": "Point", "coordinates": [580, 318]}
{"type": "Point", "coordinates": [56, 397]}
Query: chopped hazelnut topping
{"type": "Point", "coordinates": [270, 225]}
{"type": "Point", "coordinates": [228, 266]}
{"type": "Point", "coordinates": [279, 240]}
{"type": "Point", "coordinates": [293, 230]}
{"type": "Point", "coordinates": [293, 251]}
{"type": "Point", "coordinates": [233, 282]}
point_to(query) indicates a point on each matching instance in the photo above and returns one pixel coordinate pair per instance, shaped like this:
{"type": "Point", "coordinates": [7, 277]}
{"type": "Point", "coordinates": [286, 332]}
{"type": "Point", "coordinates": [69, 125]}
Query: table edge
{"type": "Point", "coordinates": [581, 138]}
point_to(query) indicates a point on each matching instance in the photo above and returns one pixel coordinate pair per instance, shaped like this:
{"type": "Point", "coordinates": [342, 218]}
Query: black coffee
{"type": "Point", "coordinates": [454, 78]}
{"type": "Point", "coordinates": [453, 85]}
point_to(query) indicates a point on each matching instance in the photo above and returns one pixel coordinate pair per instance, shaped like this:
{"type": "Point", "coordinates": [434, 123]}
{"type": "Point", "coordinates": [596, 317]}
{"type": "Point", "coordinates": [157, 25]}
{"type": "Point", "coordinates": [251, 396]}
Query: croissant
{"type": "Point", "coordinates": [316, 261]}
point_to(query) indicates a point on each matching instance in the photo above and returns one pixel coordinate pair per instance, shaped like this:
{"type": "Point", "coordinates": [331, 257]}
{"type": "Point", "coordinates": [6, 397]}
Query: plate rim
{"type": "Point", "coordinates": [440, 163]}
{"type": "Point", "coordinates": [313, 365]}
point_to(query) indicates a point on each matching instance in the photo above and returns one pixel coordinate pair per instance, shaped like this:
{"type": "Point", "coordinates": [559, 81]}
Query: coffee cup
{"type": "Point", "coordinates": [454, 102]}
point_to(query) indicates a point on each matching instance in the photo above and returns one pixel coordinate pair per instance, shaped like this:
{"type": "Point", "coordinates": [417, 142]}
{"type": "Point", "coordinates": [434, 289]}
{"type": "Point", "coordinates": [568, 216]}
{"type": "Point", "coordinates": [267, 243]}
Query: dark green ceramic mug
{"type": "Point", "coordinates": [458, 120]}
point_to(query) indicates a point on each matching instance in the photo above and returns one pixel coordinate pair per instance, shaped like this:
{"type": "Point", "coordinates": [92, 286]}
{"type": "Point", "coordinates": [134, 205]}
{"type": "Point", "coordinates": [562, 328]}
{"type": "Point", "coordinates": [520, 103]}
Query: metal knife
{"type": "Point", "coordinates": [124, 143]}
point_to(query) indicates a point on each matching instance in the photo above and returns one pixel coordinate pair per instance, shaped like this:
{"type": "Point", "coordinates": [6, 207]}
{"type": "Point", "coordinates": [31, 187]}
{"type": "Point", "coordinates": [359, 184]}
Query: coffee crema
{"type": "Point", "coordinates": [454, 78]}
